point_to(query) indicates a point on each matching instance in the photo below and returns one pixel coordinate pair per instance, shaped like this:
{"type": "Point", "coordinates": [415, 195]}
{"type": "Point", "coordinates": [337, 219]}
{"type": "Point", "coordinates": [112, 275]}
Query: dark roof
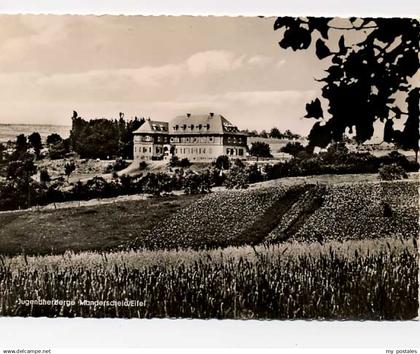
{"type": "Point", "coordinates": [153, 126]}
{"type": "Point", "coordinates": [202, 124]}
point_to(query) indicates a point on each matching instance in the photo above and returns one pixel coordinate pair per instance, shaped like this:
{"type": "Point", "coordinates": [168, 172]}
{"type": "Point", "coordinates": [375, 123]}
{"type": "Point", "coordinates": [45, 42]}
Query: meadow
{"type": "Point", "coordinates": [299, 251]}
{"type": "Point", "coordinates": [367, 279]}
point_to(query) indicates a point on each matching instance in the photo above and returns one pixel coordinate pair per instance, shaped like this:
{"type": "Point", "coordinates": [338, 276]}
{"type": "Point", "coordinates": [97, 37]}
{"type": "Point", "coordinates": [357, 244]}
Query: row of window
{"type": "Point", "coordinates": [191, 126]}
{"type": "Point", "coordinates": [199, 151]}
{"type": "Point", "coordinates": [192, 151]}
{"type": "Point", "coordinates": [193, 139]}
{"type": "Point", "coordinates": [187, 139]}
{"type": "Point", "coordinates": [235, 151]}
{"type": "Point", "coordinates": [234, 139]}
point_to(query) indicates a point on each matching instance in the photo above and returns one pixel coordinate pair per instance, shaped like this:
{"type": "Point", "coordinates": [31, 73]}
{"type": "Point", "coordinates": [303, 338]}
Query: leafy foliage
{"type": "Point", "coordinates": [53, 139]}
{"type": "Point", "coordinates": [69, 167]}
{"type": "Point", "coordinates": [223, 162]}
{"type": "Point", "coordinates": [364, 77]}
{"type": "Point", "coordinates": [35, 141]}
{"type": "Point", "coordinates": [391, 172]}
{"type": "Point", "coordinates": [103, 138]}
{"type": "Point", "coordinates": [293, 148]}
{"type": "Point", "coordinates": [260, 149]}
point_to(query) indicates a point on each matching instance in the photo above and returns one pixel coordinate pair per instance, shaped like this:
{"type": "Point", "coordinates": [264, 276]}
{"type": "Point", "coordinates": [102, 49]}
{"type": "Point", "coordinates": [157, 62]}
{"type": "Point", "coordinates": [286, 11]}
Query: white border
{"type": "Point", "coordinates": [385, 8]}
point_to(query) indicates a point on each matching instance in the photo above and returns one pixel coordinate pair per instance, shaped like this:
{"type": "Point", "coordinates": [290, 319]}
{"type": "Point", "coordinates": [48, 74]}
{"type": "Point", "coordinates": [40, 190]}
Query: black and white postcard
{"type": "Point", "coordinates": [197, 167]}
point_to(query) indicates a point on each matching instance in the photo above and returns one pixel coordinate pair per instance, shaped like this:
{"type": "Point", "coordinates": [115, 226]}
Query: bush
{"type": "Point", "coordinates": [59, 149]}
{"type": "Point", "coordinates": [44, 176]}
{"type": "Point", "coordinates": [184, 163]}
{"type": "Point", "coordinates": [223, 162]}
{"type": "Point", "coordinates": [197, 183]}
{"type": "Point", "coordinates": [254, 174]}
{"type": "Point", "coordinates": [237, 178]}
{"type": "Point", "coordinates": [118, 165]}
{"type": "Point", "coordinates": [391, 172]}
{"type": "Point", "coordinates": [293, 148]}
{"type": "Point", "coordinates": [176, 162]}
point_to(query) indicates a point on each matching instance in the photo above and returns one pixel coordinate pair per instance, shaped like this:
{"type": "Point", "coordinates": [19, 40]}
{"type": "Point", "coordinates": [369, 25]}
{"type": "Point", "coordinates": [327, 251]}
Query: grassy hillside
{"type": "Point", "coordinates": [100, 227]}
{"type": "Point", "coordinates": [304, 212]}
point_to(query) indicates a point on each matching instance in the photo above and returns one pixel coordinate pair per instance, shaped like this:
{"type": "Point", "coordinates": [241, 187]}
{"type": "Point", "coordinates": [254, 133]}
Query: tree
{"type": "Point", "coordinates": [260, 149]}
{"type": "Point", "coordinates": [289, 135]}
{"type": "Point", "coordinates": [253, 133]}
{"type": "Point", "coordinates": [53, 139]}
{"type": "Point", "coordinates": [69, 167]}
{"type": "Point", "coordinates": [59, 149]}
{"type": "Point", "coordinates": [263, 134]}
{"type": "Point", "coordinates": [237, 178]}
{"type": "Point", "coordinates": [367, 72]}
{"type": "Point", "coordinates": [20, 172]}
{"type": "Point", "coordinates": [103, 138]}
{"type": "Point", "coordinates": [21, 147]}
{"type": "Point", "coordinates": [35, 141]}
{"type": "Point", "coordinates": [275, 133]}
{"type": "Point", "coordinates": [44, 176]}
{"type": "Point", "coordinates": [223, 162]}
{"type": "Point", "coordinates": [197, 183]}
{"type": "Point", "coordinates": [2, 150]}
{"type": "Point", "coordinates": [21, 169]}
{"type": "Point", "coordinates": [408, 138]}
{"type": "Point", "coordinates": [293, 148]}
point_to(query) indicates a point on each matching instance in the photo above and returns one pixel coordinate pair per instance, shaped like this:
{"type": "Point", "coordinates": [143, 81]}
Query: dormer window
{"type": "Point", "coordinates": [192, 126]}
{"type": "Point", "coordinates": [208, 126]}
{"type": "Point", "coordinates": [200, 126]}
{"type": "Point", "coordinates": [184, 126]}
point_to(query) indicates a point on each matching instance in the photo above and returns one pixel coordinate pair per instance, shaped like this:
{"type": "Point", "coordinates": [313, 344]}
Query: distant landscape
{"type": "Point", "coordinates": [10, 131]}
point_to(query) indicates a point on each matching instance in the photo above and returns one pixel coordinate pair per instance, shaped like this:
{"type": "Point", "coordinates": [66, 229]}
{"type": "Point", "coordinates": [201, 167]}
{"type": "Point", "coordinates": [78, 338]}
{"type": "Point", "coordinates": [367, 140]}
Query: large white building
{"type": "Point", "coordinates": [199, 138]}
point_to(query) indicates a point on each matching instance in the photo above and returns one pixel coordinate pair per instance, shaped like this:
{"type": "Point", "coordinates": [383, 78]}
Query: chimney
{"type": "Point", "coordinates": [188, 115]}
{"type": "Point", "coordinates": [211, 114]}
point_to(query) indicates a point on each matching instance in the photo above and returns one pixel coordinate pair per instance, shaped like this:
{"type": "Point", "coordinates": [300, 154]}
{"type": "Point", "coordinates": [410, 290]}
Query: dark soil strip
{"type": "Point", "coordinates": [268, 221]}
{"type": "Point", "coordinates": [315, 202]}
{"type": "Point", "coordinates": [311, 203]}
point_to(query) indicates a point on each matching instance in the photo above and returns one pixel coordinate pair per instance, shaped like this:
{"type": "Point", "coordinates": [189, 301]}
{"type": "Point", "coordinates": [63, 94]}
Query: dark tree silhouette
{"type": "Point", "coordinates": [53, 139]}
{"type": "Point", "coordinates": [35, 141]}
{"type": "Point", "coordinates": [293, 148]}
{"type": "Point", "coordinates": [275, 133]}
{"type": "Point", "coordinates": [69, 167]}
{"type": "Point", "coordinates": [260, 149]}
{"type": "Point", "coordinates": [365, 75]}
{"type": "Point", "coordinates": [21, 148]}
{"type": "Point", "coordinates": [223, 162]}
{"type": "Point", "coordinates": [103, 138]}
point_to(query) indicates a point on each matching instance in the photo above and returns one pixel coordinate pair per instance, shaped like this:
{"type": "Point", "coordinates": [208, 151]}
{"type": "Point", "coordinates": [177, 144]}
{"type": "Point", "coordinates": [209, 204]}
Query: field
{"type": "Point", "coordinates": [283, 250]}
{"type": "Point", "coordinates": [100, 227]}
{"type": "Point", "coordinates": [369, 279]}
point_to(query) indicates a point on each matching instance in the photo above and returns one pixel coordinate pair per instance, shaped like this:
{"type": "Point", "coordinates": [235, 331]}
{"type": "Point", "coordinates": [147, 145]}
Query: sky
{"type": "Point", "coordinates": [157, 67]}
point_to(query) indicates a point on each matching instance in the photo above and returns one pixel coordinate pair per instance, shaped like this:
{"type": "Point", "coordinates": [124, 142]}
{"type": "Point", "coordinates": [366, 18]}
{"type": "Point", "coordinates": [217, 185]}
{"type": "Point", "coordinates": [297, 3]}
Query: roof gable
{"type": "Point", "coordinates": [153, 127]}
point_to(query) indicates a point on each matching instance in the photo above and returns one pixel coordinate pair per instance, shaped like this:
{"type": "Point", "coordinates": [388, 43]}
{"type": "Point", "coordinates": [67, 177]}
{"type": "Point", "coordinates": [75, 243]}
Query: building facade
{"type": "Point", "coordinates": [199, 138]}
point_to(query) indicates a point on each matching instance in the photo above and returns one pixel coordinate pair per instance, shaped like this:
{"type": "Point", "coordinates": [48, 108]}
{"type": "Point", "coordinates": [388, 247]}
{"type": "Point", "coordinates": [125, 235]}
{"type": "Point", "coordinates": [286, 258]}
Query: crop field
{"type": "Point", "coordinates": [223, 219]}
{"type": "Point", "coordinates": [355, 211]}
{"type": "Point", "coordinates": [304, 212]}
{"type": "Point", "coordinates": [369, 279]}
{"type": "Point", "coordinates": [302, 251]}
